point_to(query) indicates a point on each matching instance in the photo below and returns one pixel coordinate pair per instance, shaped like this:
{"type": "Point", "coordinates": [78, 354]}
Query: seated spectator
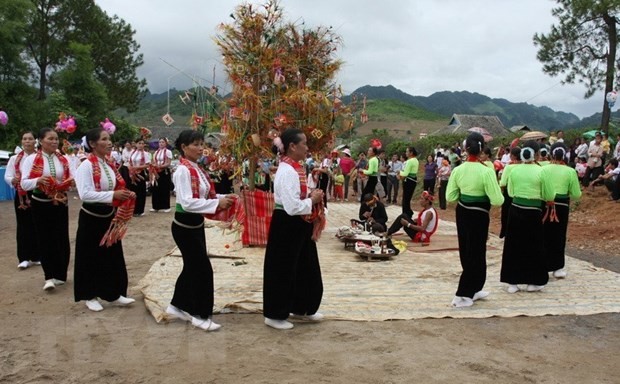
{"type": "Point", "coordinates": [581, 168]}
{"type": "Point", "coordinates": [372, 213]}
{"type": "Point", "coordinates": [421, 229]}
{"type": "Point", "coordinates": [609, 178]}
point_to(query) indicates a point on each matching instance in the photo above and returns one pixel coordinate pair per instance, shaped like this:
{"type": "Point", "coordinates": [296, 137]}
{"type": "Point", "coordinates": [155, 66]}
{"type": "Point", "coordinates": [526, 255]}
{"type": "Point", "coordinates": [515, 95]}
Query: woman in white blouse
{"type": "Point", "coordinates": [100, 270]}
{"type": "Point", "coordinates": [193, 293]}
{"type": "Point", "coordinates": [27, 252]}
{"type": "Point", "coordinates": [292, 274]}
{"type": "Point", "coordinates": [47, 174]}
{"type": "Point", "coordinates": [139, 161]}
{"type": "Point", "coordinates": [162, 181]}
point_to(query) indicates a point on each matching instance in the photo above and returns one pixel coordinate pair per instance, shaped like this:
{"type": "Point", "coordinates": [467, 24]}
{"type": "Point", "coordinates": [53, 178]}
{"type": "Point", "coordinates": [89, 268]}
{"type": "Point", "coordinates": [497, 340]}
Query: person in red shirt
{"type": "Point", "coordinates": [347, 164]}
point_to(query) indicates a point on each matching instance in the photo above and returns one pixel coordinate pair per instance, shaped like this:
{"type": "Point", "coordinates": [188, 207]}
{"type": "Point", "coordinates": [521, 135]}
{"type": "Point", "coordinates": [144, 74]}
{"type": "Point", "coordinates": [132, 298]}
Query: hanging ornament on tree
{"type": "Point", "coordinates": [375, 143]}
{"type": "Point", "coordinates": [167, 119]}
{"type": "Point", "coordinates": [4, 118]}
{"type": "Point", "coordinates": [611, 98]}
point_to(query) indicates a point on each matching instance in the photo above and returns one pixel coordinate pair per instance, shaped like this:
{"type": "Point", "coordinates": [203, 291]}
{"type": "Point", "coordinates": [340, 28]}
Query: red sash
{"type": "Point", "coordinates": [317, 216]}
{"type": "Point", "coordinates": [24, 201]}
{"type": "Point", "coordinates": [54, 190]}
{"type": "Point", "coordinates": [427, 234]}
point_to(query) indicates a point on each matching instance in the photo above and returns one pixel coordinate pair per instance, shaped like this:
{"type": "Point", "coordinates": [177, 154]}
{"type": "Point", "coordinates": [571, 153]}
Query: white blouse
{"type": "Point", "coordinates": [287, 191]}
{"type": "Point", "coordinates": [10, 170]}
{"type": "Point", "coordinates": [183, 187]}
{"type": "Point", "coordinates": [160, 156]}
{"type": "Point", "coordinates": [136, 158]}
{"type": "Point", "coordinates": [86, 185]}
{"type": "Point", "coordinates": [26, 166]}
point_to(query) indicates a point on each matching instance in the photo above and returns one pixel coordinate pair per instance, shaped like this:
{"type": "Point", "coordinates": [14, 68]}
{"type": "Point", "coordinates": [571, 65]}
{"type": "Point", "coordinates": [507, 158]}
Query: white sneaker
{"type": "Point", "coordinates": [94, 305]}
{"type": "Point", "coordinates": [58, 282]}
{"type": "Point", "coordinates": [559, 274]}
{"type": "Point", "coordinates": [534, 288]}
{"type": "Point", "coordinates": [179, 314]}
{"type": "Point", "coordinates": [278, 324]}
{"type": "Point", "coordinates": [314, 317]}
{"type": "Point", "coordinates": [512, 288]}
{"type": "Point", "coordinates": [49, 285]}
{"type": "Point", "coordinates": [205, 324]}
{"type": "Point", "coordinates": [461, 302]}
{"type": "Point", "coordinates": [167, 210]}
{"type": "Point", "coordinates": [153, 210]}
{"type": "Point", "coordinates": [480, 295]}
{"type": "Point", "coordinates": [24, 264]}
{"type": "Point", "coordinates": [123, 301]}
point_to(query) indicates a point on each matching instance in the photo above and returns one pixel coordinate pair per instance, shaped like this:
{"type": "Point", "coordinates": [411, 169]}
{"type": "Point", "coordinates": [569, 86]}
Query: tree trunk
{"type": "Point", "coordinates": [42, 82]}
{"type": "Point", "coordinates": [611, 70]}
{"type": "Point", "coordinates": [252, 172]}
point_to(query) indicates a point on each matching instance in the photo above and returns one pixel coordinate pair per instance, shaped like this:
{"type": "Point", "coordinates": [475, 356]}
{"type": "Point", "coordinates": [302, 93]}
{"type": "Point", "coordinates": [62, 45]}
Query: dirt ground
{"type": "Point", "coordinates": [47, 338]}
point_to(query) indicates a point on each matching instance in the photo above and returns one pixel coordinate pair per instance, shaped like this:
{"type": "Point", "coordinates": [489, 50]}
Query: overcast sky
{"type": "Point", "coordinates": [418, 46]}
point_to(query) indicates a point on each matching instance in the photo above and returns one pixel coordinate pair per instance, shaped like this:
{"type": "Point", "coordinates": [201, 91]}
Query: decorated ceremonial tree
{"type": "Point", "coordinates": [282, 75]}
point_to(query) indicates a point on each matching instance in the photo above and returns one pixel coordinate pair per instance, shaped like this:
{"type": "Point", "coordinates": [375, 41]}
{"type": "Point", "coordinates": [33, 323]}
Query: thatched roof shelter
{"type": "Point", "coordinates": [461, 123]}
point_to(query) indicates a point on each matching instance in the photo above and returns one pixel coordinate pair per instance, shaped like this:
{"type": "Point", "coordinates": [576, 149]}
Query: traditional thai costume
{"type": "Point", "coordinates": [100, 269]}
{"type": "Point", "coordinates": [161, 180]}
{"type": "Point", "coordinates": [49, 209]}
{"type": "Point", "coordinates": [25, 234]}
{"type": "Point", "coordinates": [139, 158]}
{"type": "Point", "coordinates": [565, 185]}
{"type": "Point", "coordinates": [195, 197]}
{"type": "Point", "coordinates": [523, 258]}
{"type": "Point", "coordinates": [373, 176]}
{"type": "Point", "coordinates": [507, 199]}
{"type": "Point", "coordinates": [409, 174]}
{"type": "Point", "coordinates": [292, 274]}
{"type": "Point", "coordinates": [474, 186]}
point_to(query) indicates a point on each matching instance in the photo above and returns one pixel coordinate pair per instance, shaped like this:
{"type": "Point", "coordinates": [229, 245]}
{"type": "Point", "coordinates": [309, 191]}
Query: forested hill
{"type": "Point", "coordinates": [447, 103]}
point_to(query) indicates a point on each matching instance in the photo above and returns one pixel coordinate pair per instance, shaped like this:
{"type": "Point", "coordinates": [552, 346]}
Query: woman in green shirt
{"type": "Point", "coordinates": [372, 172]}
{"type": "Point", "coordinates": [409, 176]}
{"type": "Point", "coordinates": [565, 184]}
{"type": "Point", "coordinates": [515, 158]}
{"type": "Point", "coordinates": [475, 187]}
{"type": "Point", "coordinates": [523, 259]}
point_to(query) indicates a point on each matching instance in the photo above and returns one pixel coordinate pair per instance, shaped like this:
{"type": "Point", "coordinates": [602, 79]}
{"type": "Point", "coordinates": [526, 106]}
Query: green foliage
{"type": "Point", "coordinates": [13, 19]}
{"type": "Point", "coordinates": [395, 110]}
{"type": "Point", "coordinates": [582, 47]}
{"type": "Point", "coordinates": [79, 91]}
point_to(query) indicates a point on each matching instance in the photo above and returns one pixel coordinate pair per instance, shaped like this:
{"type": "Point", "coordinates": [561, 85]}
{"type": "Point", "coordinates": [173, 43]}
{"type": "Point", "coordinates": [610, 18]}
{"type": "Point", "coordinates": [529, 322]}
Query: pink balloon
{"type": "Point", "coordinates": [108, 126]}
{"type": "Point", "coordinates": [4, 118]}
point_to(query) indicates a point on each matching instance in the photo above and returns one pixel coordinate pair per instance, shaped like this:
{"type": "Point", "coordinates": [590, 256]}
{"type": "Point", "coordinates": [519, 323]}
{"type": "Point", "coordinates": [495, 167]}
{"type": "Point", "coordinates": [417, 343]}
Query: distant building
{"type": "Point", "coordinates": [461, 123]}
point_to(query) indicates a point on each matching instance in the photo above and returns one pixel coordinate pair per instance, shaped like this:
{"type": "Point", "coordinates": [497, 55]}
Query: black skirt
{"type": "Point", "coordinates": [25, 233]}
{"type": "Point", "coordinates": [555, 236]}
{"type": "Point", "coordinates": [292, 275]}
{"type": "Point", "coordinates": [193, 291]}
{"type": "Point", "coordinates": [160, 198]}
{"type": "Point", "coordinates": [51, 223]}
{"type": "Point", "coordinates": [99, 271]}
{"type": "Point", "coordinates": [523, 259]}
{"type": "Point", "coordinates": [504, 215]}
{"type": "Point", "coordinates": [139, 188]}
{"type": "Point", "coordinates": [472, 224]}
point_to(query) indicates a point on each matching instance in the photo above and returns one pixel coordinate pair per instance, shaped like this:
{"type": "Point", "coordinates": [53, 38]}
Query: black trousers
{"type": "Point", "coordinates": [396, 225]}
{"type": "Point", "coordinates": [392, 188]}
{"type": "Point", "coordinates": [409, 185]}
{"type": "Point", "coordinates": [505, 211]}
{"type": "Point", "coordinates": [193, 291]}
{"type": "Point", "coordinates": [523, 257]}
{"type": "Point", "coordinates": [51, 223]}
{"type": "Point", "coordinates": [370, 186]}
{"type": "Point", "coordinates": [472, 224]}
{"type": "Point", "coordinates": [139, 188]}
{"type": "Point", "coordinates": [323, 185]}
{"type": "Point", "coordinates": [292, 275]}
{"type": "Point", "coordinates": [429, 186]}
{"type": "Point", "coordinates": [443, 184]}
{"type": "Point", "coordinates": [25, 233]}
{"type": "Point", "coordinates": [555, 236]}
{"type": "Point", "coordinates": [383, 179]}
{"type": "Point", "coordinates": [99, 271]}
{"type": "Point", "coordinates": [160, 197]}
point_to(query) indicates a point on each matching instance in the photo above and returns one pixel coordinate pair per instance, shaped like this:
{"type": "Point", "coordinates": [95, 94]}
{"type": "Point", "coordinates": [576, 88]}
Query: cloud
{"type": "Point", "coordinates": [420, 47]}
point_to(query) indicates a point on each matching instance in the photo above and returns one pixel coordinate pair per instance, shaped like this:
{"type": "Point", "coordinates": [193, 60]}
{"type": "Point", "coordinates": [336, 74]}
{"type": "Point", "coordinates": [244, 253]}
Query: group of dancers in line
{"type": "Point", "coordinates": [536, 202]}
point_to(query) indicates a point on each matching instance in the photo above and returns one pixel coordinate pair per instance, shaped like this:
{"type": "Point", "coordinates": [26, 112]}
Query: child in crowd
{"type": "Point", "coordinates": [338, 184]}
{"type": "Point", "coordinates": [581, 168]}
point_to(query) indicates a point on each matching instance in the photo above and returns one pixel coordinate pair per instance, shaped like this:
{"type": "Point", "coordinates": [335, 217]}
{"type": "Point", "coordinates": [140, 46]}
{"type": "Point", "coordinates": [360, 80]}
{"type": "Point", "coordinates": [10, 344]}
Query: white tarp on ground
{"type": "Point", "coordinates": [419, 283]}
